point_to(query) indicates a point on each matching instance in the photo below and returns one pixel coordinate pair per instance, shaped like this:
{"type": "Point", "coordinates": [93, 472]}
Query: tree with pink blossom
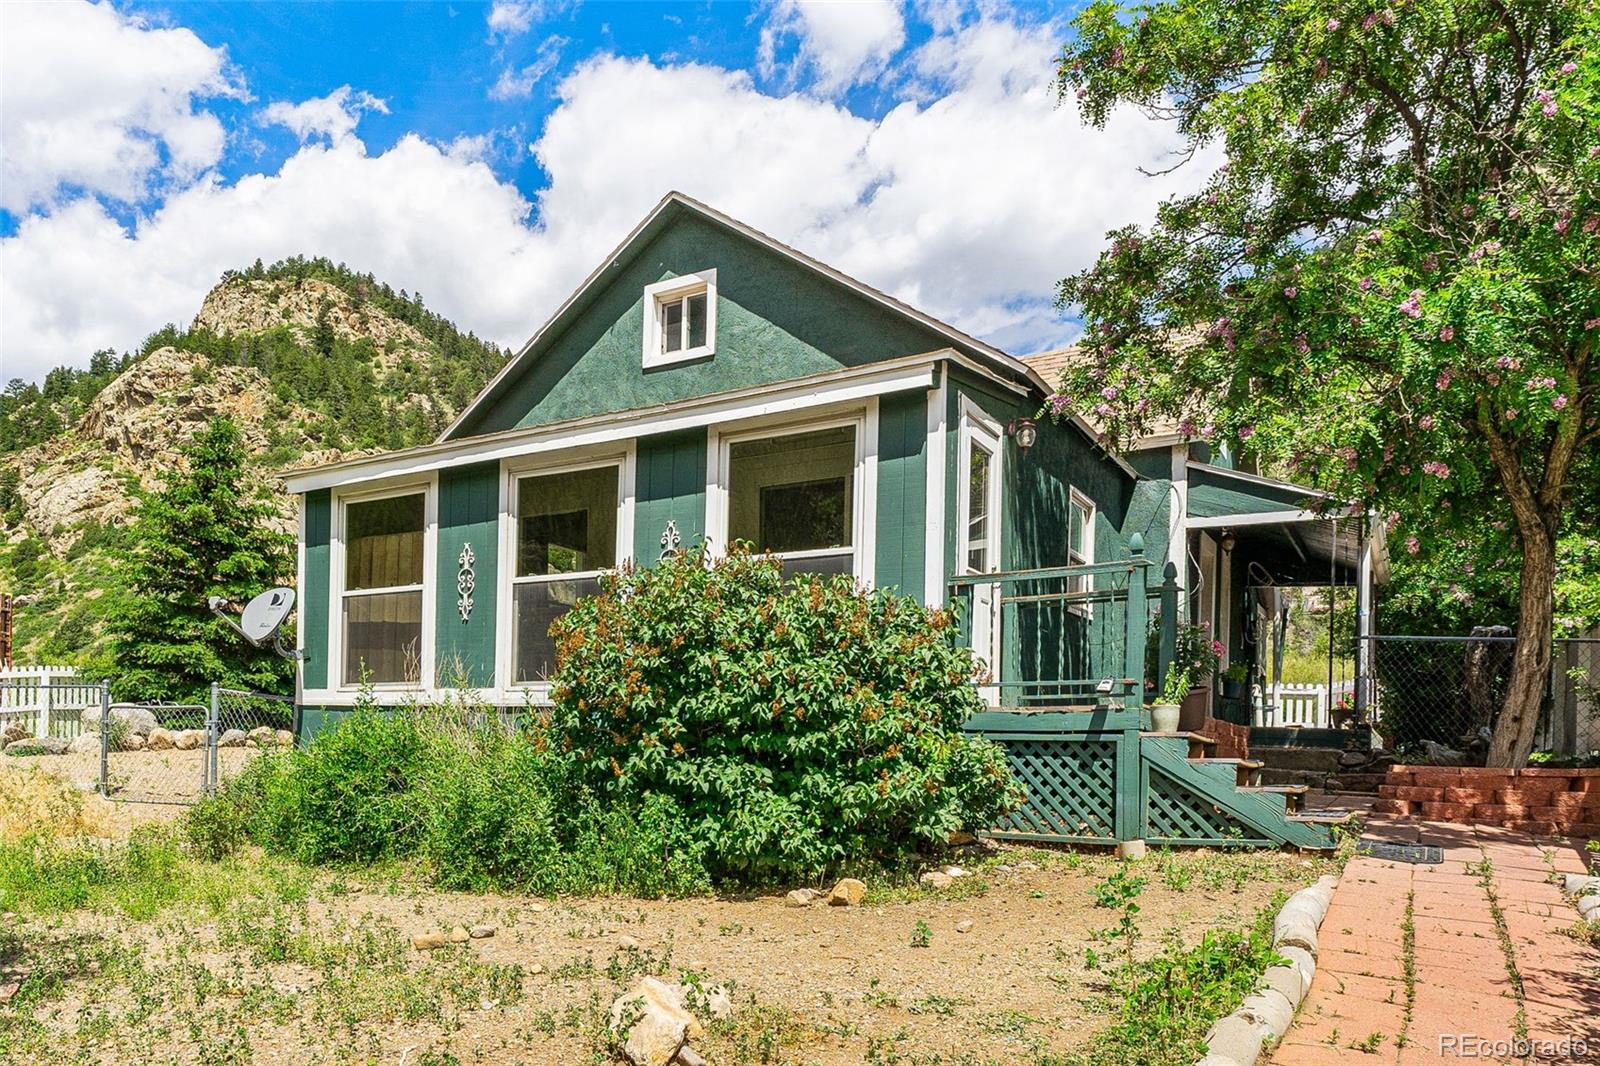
{"type": "Point", "coordinates": [1389, 286]}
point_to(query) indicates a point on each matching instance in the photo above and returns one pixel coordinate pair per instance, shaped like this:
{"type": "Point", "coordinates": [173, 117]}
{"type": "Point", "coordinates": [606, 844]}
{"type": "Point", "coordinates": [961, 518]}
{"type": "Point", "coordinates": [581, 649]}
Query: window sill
{"type": "Point", "coordinates": [685, 355]}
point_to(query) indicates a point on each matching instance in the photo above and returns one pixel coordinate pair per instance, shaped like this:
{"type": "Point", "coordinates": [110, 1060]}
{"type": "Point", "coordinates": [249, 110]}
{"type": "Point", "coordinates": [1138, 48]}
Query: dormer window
{"type": "Point", "coordinates": [680, 322]}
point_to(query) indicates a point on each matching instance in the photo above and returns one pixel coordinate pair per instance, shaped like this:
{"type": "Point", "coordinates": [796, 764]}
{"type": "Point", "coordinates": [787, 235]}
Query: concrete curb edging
{"type": "Point", "coordinates": [1585, 893]}
{"type": "Point", "coordinates": [1265, 1015]}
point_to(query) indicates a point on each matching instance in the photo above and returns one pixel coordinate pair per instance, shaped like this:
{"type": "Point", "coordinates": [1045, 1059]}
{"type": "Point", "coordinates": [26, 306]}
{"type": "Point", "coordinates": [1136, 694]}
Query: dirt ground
{"type": "Point", "coordinates": [169, 776]}
{"type": "Point", "coordinates": [269, 963]}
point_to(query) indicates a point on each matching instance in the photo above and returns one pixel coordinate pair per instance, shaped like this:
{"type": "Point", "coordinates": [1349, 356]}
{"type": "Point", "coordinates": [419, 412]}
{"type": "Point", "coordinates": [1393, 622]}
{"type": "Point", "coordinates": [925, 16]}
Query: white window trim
{"type": "Point", "coordinates": [1089, 511]}
{"type": "Point", "coordinates": [511, 471]}
{"type": "Point", "coordinates": [429, 487]}
{"type": "Point", "coordinates": [667, 291]}
{"type": "Point", "coordinates": [976, 425]}
{"type": "Point", "coordinates": [864, 512]}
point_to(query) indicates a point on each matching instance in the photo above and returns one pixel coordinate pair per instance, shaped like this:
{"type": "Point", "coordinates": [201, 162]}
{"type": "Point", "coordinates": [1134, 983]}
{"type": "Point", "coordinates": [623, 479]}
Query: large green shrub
{"type": "Point", "coordinates": [797, 726]}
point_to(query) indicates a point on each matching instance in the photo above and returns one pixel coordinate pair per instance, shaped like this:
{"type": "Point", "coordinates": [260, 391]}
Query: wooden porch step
{"type": "Point", "coordinates": [1246, 771]}
{"type": "Point", "coordinates": [1200, 745]}
{"type": "Point", "coordinates": [1063, 708]}
{"type": "Point", "coordinates": [1294, 796]}
{"type": "Point", "coordinates": [1327, 816]}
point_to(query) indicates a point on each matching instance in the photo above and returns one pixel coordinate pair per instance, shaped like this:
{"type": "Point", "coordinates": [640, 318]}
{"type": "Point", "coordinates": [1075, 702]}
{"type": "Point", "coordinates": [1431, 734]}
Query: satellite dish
{"type": "Point", "coordinates": [263, 615]}
{"type": "Point", "coordinates": [261, 619]}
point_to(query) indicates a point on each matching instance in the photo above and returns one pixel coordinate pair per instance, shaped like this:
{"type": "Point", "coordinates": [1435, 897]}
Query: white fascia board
{"type": "Point", "coordinates": [911, 372]}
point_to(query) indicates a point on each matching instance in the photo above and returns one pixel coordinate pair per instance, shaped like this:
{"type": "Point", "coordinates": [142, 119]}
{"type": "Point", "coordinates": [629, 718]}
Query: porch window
{"type": "Point", "coordinates": [1080, 542]}
{"type": "Point", "coordinates": [382, 591]}
{"type": "Point", "coordinates": [680, 319]}
{"type": "Point", "coordinates": [980, 523]}
{"type": "Point", "coordinates": [794, 496]}
{"type": "Point", "coordinates": [566, 535]}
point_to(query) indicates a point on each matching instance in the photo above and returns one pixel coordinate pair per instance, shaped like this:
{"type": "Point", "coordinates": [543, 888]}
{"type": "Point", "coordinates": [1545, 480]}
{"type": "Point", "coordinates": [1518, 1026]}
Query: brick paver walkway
{"type": "Point", "coordinates": [1492, 894]}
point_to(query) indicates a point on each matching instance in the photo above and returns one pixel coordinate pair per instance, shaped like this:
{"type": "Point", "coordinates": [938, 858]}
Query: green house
{"type": "Point", "coordinates": [707, 381]}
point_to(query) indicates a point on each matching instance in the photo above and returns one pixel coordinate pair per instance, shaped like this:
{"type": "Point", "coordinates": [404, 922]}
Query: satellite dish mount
{"type": "Point", "coordinates": [261, 620]}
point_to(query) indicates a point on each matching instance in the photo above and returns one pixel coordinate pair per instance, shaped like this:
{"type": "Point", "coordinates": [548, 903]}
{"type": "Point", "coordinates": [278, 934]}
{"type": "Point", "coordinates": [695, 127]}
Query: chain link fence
{"type": "Point", "coordinates": [1423, 691]}
{"type": "Point", "coordinates": [140, 752]}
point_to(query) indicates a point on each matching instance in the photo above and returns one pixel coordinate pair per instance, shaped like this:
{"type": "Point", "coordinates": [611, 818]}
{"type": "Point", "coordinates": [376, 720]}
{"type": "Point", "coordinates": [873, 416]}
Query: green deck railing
{"type": "Point", "coordinates": [1069, 637]}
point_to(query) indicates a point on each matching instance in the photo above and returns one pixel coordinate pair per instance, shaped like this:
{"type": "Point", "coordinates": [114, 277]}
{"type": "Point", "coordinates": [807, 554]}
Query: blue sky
{"type": "Point", "coordinates": [488, 155]}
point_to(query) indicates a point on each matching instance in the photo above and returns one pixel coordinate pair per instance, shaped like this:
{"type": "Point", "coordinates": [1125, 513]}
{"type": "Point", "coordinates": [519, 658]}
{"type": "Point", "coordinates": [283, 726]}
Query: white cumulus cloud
{"type": "Point", "coordinates": [839, 43]}
{"type": "Point", "coordinates": [518, 83]}
{"type": "Point", "coordinates": [512, 18]}
{"type": "Point", "coordinates": [98, 101]}
{"type": "Point", "coordinates": [970, 199]}
{"type": "Point", "coordinates": [333, 116]}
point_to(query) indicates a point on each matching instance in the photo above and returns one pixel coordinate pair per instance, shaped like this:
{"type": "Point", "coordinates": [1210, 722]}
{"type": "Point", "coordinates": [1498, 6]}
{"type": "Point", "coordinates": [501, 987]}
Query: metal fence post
{"type": "Point", "coordinates": [208, 776]}
{"type": "Point", "coordinates": [105, 738]}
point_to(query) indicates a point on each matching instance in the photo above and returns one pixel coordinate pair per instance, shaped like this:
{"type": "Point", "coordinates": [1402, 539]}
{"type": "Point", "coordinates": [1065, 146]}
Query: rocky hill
{"type": "Point", "coordinates": [312, 361]}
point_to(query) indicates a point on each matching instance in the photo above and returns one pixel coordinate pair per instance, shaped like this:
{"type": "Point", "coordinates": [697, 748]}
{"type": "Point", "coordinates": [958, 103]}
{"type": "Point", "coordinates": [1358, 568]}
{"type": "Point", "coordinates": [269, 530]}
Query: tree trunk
{"type": "Point", "coordinates": [1530, 670]}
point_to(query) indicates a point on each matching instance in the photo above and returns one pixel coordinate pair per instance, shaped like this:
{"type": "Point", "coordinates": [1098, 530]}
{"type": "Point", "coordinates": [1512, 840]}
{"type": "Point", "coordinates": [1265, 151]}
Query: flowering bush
{"type": "Point", "coordinates": [795, 726]}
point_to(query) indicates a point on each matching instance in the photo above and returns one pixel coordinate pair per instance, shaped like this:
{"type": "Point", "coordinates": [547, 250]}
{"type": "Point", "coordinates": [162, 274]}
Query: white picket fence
{"type": "Point", "coordinates": [1307, 705]}
{"type": "Point", "coordinates": [46, 700]}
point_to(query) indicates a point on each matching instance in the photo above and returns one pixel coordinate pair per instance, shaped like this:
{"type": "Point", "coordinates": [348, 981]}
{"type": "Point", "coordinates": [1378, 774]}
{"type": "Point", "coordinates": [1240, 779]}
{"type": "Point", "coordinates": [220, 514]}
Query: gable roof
{"type": "Point", "coordinates": [675, 205]}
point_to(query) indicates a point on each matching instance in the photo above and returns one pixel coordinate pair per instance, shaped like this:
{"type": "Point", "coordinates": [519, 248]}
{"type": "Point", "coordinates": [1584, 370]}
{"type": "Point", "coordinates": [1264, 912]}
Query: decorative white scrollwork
{"type": "Point", "coordinates": [671, 540]}
{"type": "Point", "coordinates": [466, 582]}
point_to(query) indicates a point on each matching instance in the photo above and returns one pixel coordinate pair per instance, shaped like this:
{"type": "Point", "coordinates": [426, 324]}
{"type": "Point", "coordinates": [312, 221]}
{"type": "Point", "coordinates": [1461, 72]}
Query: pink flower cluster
{"type": "Point", "coordinates": [1059, 403]}
{"type": "Point", "coordinates": [1412, 306]}
{"type": "Point", "coordinates": [1447, 334]}
{"type": "Point", "coordinates": [1246, 432]}
{"type": "Point", "coordinates": [1412, 545]}
{"type": "Point", "coordinates": [1427, 422]}
{"type": "Point", "coordinates": [1442, 382]}
{"type": "Point", "coordinates": [1506, 362]}
{"type": "Point", "coordinates": [1436, 468]}
{"type": "Point", "coordinates": [1560, 402]}
{"type": "Point", "coordinates": [1547, 98]}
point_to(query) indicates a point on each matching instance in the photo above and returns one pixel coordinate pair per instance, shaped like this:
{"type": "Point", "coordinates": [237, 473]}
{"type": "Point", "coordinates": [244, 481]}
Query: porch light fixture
{"type": "Point", "coordinates": [1228, 541]}
{"type": "Point", "coordinates": [1025, 432]}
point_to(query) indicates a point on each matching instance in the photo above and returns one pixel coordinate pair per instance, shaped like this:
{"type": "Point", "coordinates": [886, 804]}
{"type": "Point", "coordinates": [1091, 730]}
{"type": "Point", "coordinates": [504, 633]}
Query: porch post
{"type": "Point", "coordinates": [1138, 620]}
{"type": "Point", "coordinates": [1364, 622]}
{"type": "Point", "coordinates": [1167, 650]}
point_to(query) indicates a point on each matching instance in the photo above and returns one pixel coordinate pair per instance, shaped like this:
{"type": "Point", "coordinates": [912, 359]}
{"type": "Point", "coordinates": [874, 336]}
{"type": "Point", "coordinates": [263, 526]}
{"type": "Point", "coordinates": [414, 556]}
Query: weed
{"type": "Point", "coordinates": [921, 935]}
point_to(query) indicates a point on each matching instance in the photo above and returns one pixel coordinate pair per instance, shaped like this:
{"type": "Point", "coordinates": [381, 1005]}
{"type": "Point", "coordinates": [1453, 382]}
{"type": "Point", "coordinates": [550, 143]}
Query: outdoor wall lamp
{"type": "Point", "coordinates": [1228, 541]}
{"type": "Point", "coordinates": [1025, 431]}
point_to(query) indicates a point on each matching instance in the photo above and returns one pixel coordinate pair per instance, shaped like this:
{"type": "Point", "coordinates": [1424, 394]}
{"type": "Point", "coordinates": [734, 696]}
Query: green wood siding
{"type": "Point", "coordinates": [776, 320]}
{"type": "Point", "coordinates": [1213, 495]}
{"type": "Point", "coordinates": [469, 509]}
{"type": "Point", "coordinates": [902, 493]}
{"type": "Point", "coordinates": [670, 486]}
{"type": "Point", "coordinates": [313, 620]}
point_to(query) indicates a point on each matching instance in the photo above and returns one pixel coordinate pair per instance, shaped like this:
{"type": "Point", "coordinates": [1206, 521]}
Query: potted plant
{"type": "Point", "coordinates": [1234, 679]}
{"type": "Point", "coordinates": [1164, 712]}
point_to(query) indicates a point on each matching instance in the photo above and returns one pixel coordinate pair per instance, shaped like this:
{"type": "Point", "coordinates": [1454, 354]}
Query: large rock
{"type": "Point", "coordinates": [264, 736]}
{"type": "Point", "coordinates": [12, 731]}
{"type": "Point", "coordinates": [131, 742]}
{"type": "Point", "coordinates": [160, 740]}
{"type": "Point", "coordinates": [37, 746]}
{"type": "Point", "coordinates": [188, 739]}
{"type": "Point", "coordinates": [847, 893]}
{"type": "Point", "coordinates": [232, 738]}
{"type": "Point", "coordinates": [85, 744]}
{"type": "Point", "coordinates": [656, 1021]}
{"type": "Point", "coordinates": [134, 718]}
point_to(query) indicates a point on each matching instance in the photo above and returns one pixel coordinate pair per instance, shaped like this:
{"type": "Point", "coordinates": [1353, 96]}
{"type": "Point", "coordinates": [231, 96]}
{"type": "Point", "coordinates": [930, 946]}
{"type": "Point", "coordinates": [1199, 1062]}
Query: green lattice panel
{"type": "Point", "coordinates": [1071, 789]}
{"type": "Point", "coordinates": [1178, 813]}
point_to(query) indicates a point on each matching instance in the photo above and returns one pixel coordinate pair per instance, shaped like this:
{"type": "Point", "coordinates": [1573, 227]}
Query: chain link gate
{"type": "Point", "coordinates": [240, 727]}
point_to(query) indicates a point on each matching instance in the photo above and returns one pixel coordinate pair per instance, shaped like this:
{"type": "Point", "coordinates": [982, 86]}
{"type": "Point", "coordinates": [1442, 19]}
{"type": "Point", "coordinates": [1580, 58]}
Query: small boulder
{"type": "Point", "coordinates": [131, 742]}
{"type": "Point", "coordinates": [481, 931]}
{"type": "Point", "coordinates": [847, 893]}
{"type": "Point", "coordinates": [37, 746]}
{"type": "Point", "coordinates": [285, 738]}
{"type": "Point", "coordinates": [960, 838]}
{"type": "Point", "coordinates": [264, 736]}
{"type": "Point", "coordinates": [12, 731]}
{"type": "Point", "coordinates": [429, 941]}
{"type": "Point", "coordinates": [232, 738]}
{"type": "Point", "coordinates": [187, 739]}
{"type": "Point", "coordinates": [964, 925]}
{"type": "Point", "coordinates": [85, 744]}
{"type": "Point", "coordinates": [134, 718]}
{"type": "Point", "coordinates": [628, 943]}
{"type": "Point", "coordinates": [459, 935]}
{"type": "Point", "coordinates": [936, 879]}
{"type": "Point", "coordinates": [800, 897]}
{"type": "Point", "coordinates": [1353, 758]}
{"type": "Point", "coordinates": [655, 1021]}
{"type": "Point", "coordinates": [159, 740]}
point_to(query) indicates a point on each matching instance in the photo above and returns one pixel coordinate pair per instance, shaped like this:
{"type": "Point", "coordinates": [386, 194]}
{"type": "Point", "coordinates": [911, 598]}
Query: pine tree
{"type": "Point", "coordinates": [207, 532]}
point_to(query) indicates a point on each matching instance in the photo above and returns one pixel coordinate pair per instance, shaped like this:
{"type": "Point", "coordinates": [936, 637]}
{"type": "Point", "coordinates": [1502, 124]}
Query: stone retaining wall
{"type": "Point", "coordinates": [1536, 800]}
